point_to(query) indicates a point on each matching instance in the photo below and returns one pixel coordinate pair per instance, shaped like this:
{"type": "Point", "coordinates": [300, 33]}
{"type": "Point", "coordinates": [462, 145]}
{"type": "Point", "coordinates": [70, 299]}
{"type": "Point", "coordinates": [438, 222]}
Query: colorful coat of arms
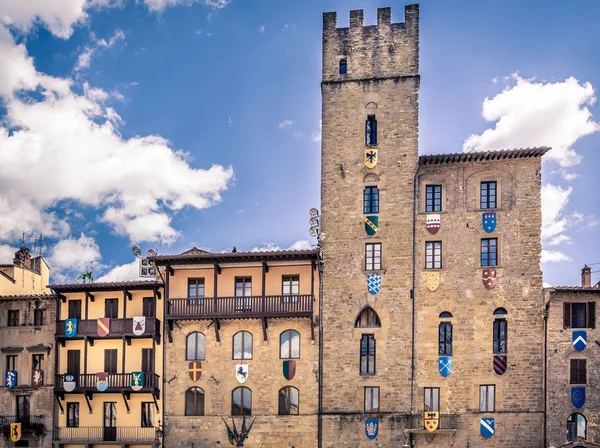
{"type": "Point", "coordinates": [37, 378]}
{"type": "Point", "coordinates": [137, 380]}
{"type": "Point", "coordinates": [70, 327]}
{"type": "Point", "coordinates": [69, 382]}
{"type": "Point", "coordinates": [139, 325]}
{"type": "Point", "coordinates": [433, 223]}
{"type": "Point", "coordinates": [289, 369]}
{"type": "Point", "coordinates": [486, 427]}
{"type": "Point", "coordinates": [102, 381]}
{"type": "Point", "coordinates": [433, 280]}
{"type": "Point", "coordinates": [15, 432]}
{"type": "Point", "coordinates": [371, 428]}
{"type": "Point", "coordinates": [103, 327]}
{"type": "Point", "coordinates": [579, 340]}
{"type": "Point", "coordinates": [445, 365]}
{"type": "Point", "coordinates": [241, 373]}
{"type": "Point", "coordinates": [195, 370]}
{"type": "Point", "coordinates": [500, 362]}
{"type": "Point", "coordinates": [371, 224]}
{"type": "Point", "coordinates": [578, 396]}
{"type": "Point", "coordinates": [431, 420]}
{"type": "Point", "coordinates": [488, 221]}
{"type": "Point", "coordinates": [371, 158]}
{"type": "Point", "coordinates": [488, 277]}
{"type": "Point", "coordinates": [373, 283]}
{"type": "Point", "coordinates": [10, 379]}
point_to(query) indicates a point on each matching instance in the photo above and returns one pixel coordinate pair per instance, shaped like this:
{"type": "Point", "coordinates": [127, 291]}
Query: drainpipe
{"type": "Point", "coordinates": [546, 312]}
{"type": "Point", "coordinates": [320, 262]}
{"type": "Point", "coordinates": [164, 347]}
{"type": "Point", "coordinates": [413, 298]}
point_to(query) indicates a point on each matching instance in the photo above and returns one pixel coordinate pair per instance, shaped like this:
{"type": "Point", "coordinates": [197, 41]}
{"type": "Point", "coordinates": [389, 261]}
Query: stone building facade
{"type": "Point", "coordinates": [241, 347]}
{"type": "Point", "coordinates": [382, 325]}
{"type": "Point", "coordinates": [572, 376]}
{"type": "Point", "coordinates": [27, 316]}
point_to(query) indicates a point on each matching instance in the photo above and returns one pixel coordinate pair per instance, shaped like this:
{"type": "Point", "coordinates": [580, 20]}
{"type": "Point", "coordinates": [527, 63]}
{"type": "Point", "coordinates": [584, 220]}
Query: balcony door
{"type": "Point", "coordinates": [149, 307]}
{"type": "Point", "coordinates": [75, 309]}
{"type": "Point", "coordinates": [73, 361]}
{"type": "Point", "coordinates": [111, 308]}
{"type": "Point", "coordinates": [22, 411]}
{"type": "Point", "coordinates": [147, 358]}
{"type": "Point", "coordinates": [110, 361]}
{"type": "Point", "coordinates": [243, 293]}
{"type": "Point", "coordinates": [110, 422]}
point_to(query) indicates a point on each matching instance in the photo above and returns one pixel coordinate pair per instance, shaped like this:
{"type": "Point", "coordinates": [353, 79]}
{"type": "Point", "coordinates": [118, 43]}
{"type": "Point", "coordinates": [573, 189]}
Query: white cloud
{"type": "Point", "coordinates": [299, 134]}
{"type": "Point", "coordinates": [316, 136]}
{"type": "Point", "coordinates": [161, 5]}
{"type": "Point", "coordinates": [229, 121]}
{"type": "Point", "coordinates": [301, 245]}
{"type": "Point", "coordinates": [123, 273]}
{"type": "Point", "coordinates": [85, 58]}
{"type": "Point", "coordinates": [272, 247]}
{"type": "Point", "coordinates": [67, 147]}
{"type": "Point", "coordinates": [285, 123]}
{"type": "Point", "coordinates": [532, 113]}
{"type": "Point", "coordinates": [261, 28]}
{"type": "Point", "coordinates": [7, 253]}
{"type": "Point", "coordinates": [553, 256]}
{"type": "Point", "coordinates": [74, 254]}
{"type": "Point", "coordinates": [554, 201]}
{"type": "Point", "coordinates": [558, 240]}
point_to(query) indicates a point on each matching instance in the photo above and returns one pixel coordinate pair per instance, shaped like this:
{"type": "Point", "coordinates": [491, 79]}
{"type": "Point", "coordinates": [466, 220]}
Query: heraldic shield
{"type": "Point", "coordinates": [69, 382]}
{"type": "Point", "coordinates": [433, 280]}
{"type": "Point", "coordinates": [195, 370]}
{"type": "Point", "coordinates": [10, 379]}
{"type": "Point", "coordinates": [15, 432]}
{"type": "Point", "coordinates": [371, 428]}
{"type": "Point", "coordinates": [139, 325]}
{"type": "Point", "coordinates": [433, 223]}
{"type": "Point", "coordinates": [500, 362]}
{"type": "Point", "coordinates": [371, 157]}
{"type": "Point", "coordinates": [445, 365]}
{"type": "Point", "coordinates": [37, 378]}
{"type": "Point", "coordinates": [241, 372]}
{"type": "Point", "coordinates": [138, 379]}
{"type": "Point", "coordinates": [488, 277]}
{"type": "Point", "coordinates": [431, 420]}
{"type": "Point", "coordinates": [103, 326]}
{"type": "Point", "coordinates": [371, 224]}
{"type": "Point", "coordinates": [373, 283]}
{"type": "Point", "coordinates": [102, 381]}
{"type": "Point", "coordinates": [486, 427]}
{"type": "Point", "coordinates": [488, 221]}
{"type": "Point", "coordinates": [70, 327]}
{"type": "Point", "coordinates": [289, 369]}
{"type": "Point", "coordinates": [579, 340]}
{"type": "Point", "coordinates": [578, 396]}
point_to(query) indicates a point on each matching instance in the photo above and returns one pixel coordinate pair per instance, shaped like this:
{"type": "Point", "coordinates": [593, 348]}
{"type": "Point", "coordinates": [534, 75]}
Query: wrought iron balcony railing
{"type": "Point", "coordinates": [29, 423]}
{"type": "Point", "coordinates": [105, 434]}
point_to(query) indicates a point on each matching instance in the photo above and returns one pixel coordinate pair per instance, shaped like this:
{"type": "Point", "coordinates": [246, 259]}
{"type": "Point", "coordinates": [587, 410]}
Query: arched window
{"type": "Point", "coordinates": [242, 345]}
{"type": "Point", "coordinates": [367, 318]}
{"type": "Point", "coordinates": [195, 344]}
{"type": "Point", "coordinates": [445, 335]}
{"type": "Point", "coordinates": [289, 401]}
{"type": "Point", "coordinates": [367, 355]}
{"type": "Point", "coordinates": [241, 401]}
{"type": "Point", "coordinates": [289, 345]}
{"type": "Point", "coordinates": [343, 66]}
{"type": "Point", "coordinates": [576, 426]}
{"type": "Point", "coordinates": [500, 332]}
{"type": "Point", "coordinates": [446, 315]}
{"type": "Point", "coordinates": [194, 401]}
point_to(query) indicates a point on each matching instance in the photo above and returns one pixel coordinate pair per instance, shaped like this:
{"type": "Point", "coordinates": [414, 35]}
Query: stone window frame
{"type": "Point", "coordinates": [371, 132]}
{"type": "Point", "coordinates": [343, 63]}
{"type": "Point", "coordinates": [585, 372]}
{"type": "Point", "coordinates": [445, 324]}
{"type": "Point", "coordinates": [373, 243]}
{"type": "Point", "coordinates": [285, 402]}
{"type": "Point", "coordinates": [12, 318]}
{"type": "Point", "coordinates": [433, 254]}
{"type": "Point", "coordinates": [372, 187]}
{"type": "Point", "coordinates": [498, 239]}
{"type": "Point", "coordinates": [590, 315]}
{"type": "Point", "coordinates": [198, 337]}
{"type": "Point", "coordinates": [571, 437]}
{"type": "Point", "coordinates": [39, 317]}
{"type": "Point", "coordinates": [429, 179]}
{"type": "Point", "coordinates": [242, 390]}
{"type": "Point", "coordinates": [434, 394]}
{"type": "Point", "coordinates": [199, 405]}
{"type": "Point", "coordinates": [484, 405]}
{"type": "Point", "coordinates": [372, 391]}
{"type": "Point", "coordinates": [486, 179]}
{"type": "Point", "coordinates": [370, 312]}
{"type": "Point", "coordinates": [242, 334]}
{"type": "Point", "coordinates": [488, 182]}
{"type": "Point", "coordinates": [291, 332]}
{"type": "Point", "coordinates": [434, 186]}
{"type": "Point", "coordinates": [366, 371]}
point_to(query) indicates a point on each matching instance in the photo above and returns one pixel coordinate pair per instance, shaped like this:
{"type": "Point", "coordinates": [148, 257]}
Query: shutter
{"type": "Point", "coordinates": [582, 371]}
{"type": "Point", "coordinates": [573, 374]}
{"type": "Point", "coordinates": [374, 132]}
{"type": "Point", "coordinates": [566, 315]}
{"type": "Point", "coordinates": [591, 315]}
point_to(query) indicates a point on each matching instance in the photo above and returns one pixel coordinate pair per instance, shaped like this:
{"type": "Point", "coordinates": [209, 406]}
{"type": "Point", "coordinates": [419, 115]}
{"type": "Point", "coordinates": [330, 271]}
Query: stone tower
{"type": "Point", "coordinates": [370, 104]}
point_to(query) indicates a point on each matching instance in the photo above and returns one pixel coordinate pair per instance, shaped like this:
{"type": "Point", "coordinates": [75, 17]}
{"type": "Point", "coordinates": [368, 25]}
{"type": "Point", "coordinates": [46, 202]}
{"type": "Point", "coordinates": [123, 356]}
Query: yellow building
{"type": "Point", "coordinates": [109, 363]}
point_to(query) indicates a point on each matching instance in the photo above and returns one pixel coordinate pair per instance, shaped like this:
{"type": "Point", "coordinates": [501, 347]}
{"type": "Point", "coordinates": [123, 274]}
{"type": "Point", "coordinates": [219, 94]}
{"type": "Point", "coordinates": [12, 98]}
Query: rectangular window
{"type": "Point", "coordinates": [147, 358]}
{"type": "Point", "coordinates": [111, 308]}
{"type": "Point", "coordinates": [487, 398]}
{"type": "Point", "coordinates": [110, 361]}
{"type": "Point", "coordinates": [371, 400]}
{"type": "Point", "coordinates": [36, 362]}
{"type": "Point", "coordinates": [75, 309]}
{"type": "Point", "coordinates": [195, 291]}
{"type": "Point", "coordinates": [373, 256]}
{"type": "Point", "coordinates": [149, 307]}
{"type": "Point", "coordinates": [147, 415]}
{"type": "Point", "coordinates": [367, 355]}
{"type": "Point", "coordinates": [73, 361]}
{"type": "Point", "coordinates": [579, 314]}
{"type": "Point", "coordinates": [290, 288]}
{"type": "Point", "coordinates": [433, 255]}
{"type": "Point", "coordinates": [433, 198]}
{"type": "Point", "coordinates": [371, 200]}
{"type": "Point", "coordinates": [500, 333]}
{"type": "Point", "coordinates": [488, 195]}
{"type": "Point", "coordinates": [432, 399]}
{"type": "Point", "coordinates": [489, 252]}
{"type": "Point", "coordinates": [445, 339]}
{"type": "Point", "coordinates": [371, 131]}
{"type": "Point", "coordinates": [72, 415]}
{"type": "Point", "coordinates": [23, 411]}
{"type": "Point", "coordinates": [39, 317]}
{"type": "Point", "coordinates": [13, 318]}
{"type": "Point", "coordinates": [578, 371]}
{"type": "Point", "coordinates": [243, 294]}
{"type": "Point", "coordinates": [11, 362]}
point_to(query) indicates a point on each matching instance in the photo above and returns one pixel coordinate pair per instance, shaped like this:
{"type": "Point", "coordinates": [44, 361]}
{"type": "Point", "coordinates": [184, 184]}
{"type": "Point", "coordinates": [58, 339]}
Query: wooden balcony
{"type": "Point", "coordinates": [118, 435]}
{"type": "Point", "coordinates": [119, 328]}
{"type": "Point", "coordinates": [446, 424]}
{"type": "Point", "coordinates": [117, 383]}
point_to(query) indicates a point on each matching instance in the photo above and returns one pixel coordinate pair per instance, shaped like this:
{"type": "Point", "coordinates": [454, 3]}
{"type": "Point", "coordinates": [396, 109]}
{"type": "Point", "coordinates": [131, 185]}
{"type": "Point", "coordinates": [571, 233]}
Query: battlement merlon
{"type": "Point", "coordinates": [374, 51]}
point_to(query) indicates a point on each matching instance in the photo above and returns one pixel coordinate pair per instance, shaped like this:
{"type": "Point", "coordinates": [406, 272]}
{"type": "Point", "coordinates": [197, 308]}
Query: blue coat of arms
{"type": "Point", "coordinates": [486, 427]}
{"type": "Point", "coordinates": [579, 340]}
{"type": "Point", "coordinates": [445, 365]}
{"type": "Point", "coordinates": [578, 396]}
{"type": "Point", "coordinates": [10, 380]}
{"type": "Point", "coordinates": [373, 283]}
{"type": "Point", "coordinates": [371, 428]}
{"type": "Point", "coordinates": [70, 327]}
{"type": "Point", "coordinates": [488, 221]}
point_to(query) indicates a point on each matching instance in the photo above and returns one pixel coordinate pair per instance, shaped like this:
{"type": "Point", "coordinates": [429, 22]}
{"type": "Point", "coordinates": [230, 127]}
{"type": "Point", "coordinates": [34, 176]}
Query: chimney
{"type": "Point", "coordinates": [22, 258]}
{"type": "Point", "coordinates": [586, 277]}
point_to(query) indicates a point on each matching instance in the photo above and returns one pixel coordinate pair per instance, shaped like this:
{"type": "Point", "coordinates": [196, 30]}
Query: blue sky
{"type": "Point", "coordinates": [197, 123]}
